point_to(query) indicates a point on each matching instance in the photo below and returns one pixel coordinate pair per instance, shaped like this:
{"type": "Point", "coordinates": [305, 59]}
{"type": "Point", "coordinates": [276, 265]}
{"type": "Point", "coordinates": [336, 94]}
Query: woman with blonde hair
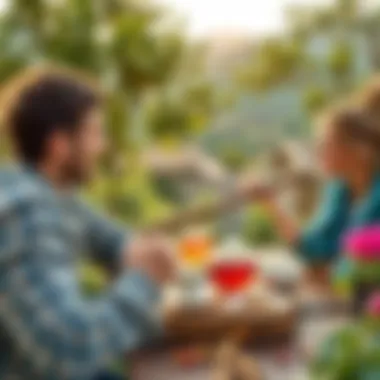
{"type": "Point", "coordinates": [348, 146]}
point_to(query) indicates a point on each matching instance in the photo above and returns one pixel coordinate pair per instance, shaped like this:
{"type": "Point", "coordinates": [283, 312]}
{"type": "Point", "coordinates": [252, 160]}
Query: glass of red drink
{"type": "Point", "coordinates": [233, 272]}
{"type": "Point", "coordinates": [233, 276]}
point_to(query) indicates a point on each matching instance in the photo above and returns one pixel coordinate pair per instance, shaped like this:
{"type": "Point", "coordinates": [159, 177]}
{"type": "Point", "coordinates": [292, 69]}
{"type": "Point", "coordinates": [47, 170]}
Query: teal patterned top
{"type": "Point", "coordinates": [321, 240]}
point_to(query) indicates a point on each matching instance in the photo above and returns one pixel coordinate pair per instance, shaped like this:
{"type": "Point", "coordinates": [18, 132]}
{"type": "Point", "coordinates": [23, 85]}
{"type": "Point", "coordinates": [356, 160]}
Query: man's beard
{"type": "Point", "coordinates": [74, 173]}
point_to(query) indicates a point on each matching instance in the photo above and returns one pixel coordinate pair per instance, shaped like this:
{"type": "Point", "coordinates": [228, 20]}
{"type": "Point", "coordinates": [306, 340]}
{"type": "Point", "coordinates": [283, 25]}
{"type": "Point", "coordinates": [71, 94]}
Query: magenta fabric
{"type": "Point", "coordinates": [363, 244]}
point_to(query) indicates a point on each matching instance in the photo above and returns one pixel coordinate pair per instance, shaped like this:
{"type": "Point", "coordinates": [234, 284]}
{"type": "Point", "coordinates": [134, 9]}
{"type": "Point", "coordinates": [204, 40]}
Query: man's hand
{"type": "Point", "coordinates": [153, 255]}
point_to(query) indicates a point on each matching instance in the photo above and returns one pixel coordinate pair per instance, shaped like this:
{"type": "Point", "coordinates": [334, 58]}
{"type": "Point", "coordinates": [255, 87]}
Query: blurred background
{"type": "Point", "coordinates": [199, 92]}
{"type": "Point", "coordinates": [200, 95]}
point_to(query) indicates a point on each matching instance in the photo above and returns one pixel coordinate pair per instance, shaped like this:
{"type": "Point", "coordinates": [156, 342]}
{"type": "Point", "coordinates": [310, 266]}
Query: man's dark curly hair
{"type": "Point", "coordinates": [50, 101]}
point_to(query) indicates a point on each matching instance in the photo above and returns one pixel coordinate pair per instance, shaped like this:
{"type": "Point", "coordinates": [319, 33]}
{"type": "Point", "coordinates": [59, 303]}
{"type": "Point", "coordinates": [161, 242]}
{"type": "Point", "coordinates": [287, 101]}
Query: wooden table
{"type": "Point", "coordinates": [284, 360]}
{"type": "Point", "coordinates": [282, 341]}
{"type": "Point", "coordinates": [266, 315]}
{"type": "Point", "coordinates": [281, 358]}
{"type": "Point", "coordinates": [262, 315]}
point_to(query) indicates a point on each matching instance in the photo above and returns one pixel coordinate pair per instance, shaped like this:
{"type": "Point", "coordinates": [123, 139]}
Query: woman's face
{"type": "Point", "coordinates": [336, 155]}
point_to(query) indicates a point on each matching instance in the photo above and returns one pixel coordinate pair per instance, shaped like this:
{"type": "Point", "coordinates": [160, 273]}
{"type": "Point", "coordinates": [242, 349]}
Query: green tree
{"type": "Point", "coordinates": [288, 59]}
{"type": "Point", "coordinates": [370, 27]}
{"type": "Point", "coordinates": [128, 45]}
{"type": "Point", "coordinates": [340, 63]}
{"type": "Point", "coordinates": [181, 113]}
{"type": "Point", "coordinates": [314, 99]}
{"type": "Point", "coordinates": [258, 228]}
{"type": "Point", "coordinates": [234, 159]}
{"type": "Point", "coordinates": [276, 61]}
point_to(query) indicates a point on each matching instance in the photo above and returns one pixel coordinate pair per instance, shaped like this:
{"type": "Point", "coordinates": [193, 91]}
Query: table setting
{"type": "Point", "coordinates": [237, 310]}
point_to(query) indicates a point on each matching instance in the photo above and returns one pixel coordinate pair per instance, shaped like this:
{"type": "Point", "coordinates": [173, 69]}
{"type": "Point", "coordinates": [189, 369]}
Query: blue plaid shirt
{"type": "Point", "coordinates": [48, 330]}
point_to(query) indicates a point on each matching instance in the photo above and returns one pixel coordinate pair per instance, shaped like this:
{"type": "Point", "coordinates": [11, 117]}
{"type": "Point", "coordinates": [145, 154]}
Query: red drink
{"type": "Point", "coordinates": [233, 276]}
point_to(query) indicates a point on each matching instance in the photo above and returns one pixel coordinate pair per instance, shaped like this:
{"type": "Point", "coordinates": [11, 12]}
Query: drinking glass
{"type": "Point", "coordinates": [195, 252]}
{"type": "Point", "coordinates": [233, 272]}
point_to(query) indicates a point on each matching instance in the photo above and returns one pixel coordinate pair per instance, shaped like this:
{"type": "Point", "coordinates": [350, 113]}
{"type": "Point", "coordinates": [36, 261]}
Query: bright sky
{"type": "Point", "coordinates": [255, 16]}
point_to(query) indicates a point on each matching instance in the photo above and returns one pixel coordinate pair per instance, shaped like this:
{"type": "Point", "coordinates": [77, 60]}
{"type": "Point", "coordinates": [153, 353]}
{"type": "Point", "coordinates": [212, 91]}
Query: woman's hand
{"type": "Point", "coordinates": [257, 191]}
{"type": "Point", "coordinates": [286, 226]}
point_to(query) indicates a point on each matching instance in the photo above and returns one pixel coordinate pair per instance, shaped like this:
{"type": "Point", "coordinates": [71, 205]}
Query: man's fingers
{"type": "Point", "coordinates": [155, 255]}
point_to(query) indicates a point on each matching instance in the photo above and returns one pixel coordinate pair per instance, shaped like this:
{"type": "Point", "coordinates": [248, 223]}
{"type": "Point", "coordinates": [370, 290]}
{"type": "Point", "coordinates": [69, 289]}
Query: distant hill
{"type": "Point", "coordinates": [258, 121]}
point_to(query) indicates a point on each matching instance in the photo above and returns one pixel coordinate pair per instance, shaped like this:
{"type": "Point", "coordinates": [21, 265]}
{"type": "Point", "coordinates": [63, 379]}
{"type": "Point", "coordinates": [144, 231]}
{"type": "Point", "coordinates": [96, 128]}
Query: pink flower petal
{"type": "Point", "coordinates": [363, 243]}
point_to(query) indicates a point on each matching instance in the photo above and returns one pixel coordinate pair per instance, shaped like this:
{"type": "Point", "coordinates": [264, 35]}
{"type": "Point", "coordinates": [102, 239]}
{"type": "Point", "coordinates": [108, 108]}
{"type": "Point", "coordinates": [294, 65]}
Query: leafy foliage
{"type": "Point", "coordinates": [290, 59]}
{"type": "Point", "coordinates": [180, 113]}
{"type": "Point", "coordinates": [234, 159]}
{"type": "Point", "coordinates": [275, 61]}
{"type": "Point", "coordinates": [258, 227]}
{"type": "Point", "coordinates": [349, 354]}
{"type": "Point", "coordinates": [314, 99]}
{"type": "Point", "coordinates": [134, 50]}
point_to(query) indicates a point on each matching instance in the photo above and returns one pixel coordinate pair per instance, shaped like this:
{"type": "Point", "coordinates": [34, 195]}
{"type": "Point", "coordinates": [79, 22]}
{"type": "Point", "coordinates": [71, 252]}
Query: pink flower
{"type": "Point", "coordinates": [363, 244]}
{"type": "Point", "coordinates": [373, 305]}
